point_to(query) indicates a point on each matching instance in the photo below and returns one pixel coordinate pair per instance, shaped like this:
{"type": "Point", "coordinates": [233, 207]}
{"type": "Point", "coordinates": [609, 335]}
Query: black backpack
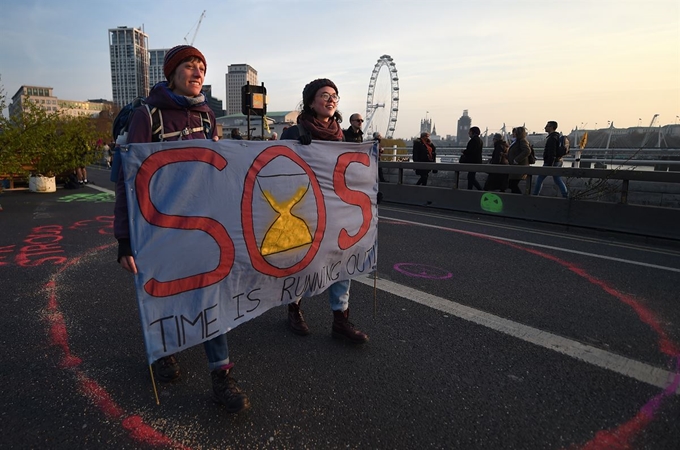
{"type": "Point", "coordinates": [562, 146]}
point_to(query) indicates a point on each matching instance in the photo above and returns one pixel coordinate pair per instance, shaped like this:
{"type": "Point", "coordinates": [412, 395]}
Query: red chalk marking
{"type": "Point", "coordinates": [622, 436]}
{"type": "Point", "coordinates": [58, 336]}
{"type": "Point", "coordinates": [619, 437]}
{"type": "Point", "coordinates": [99, 396]}
{"type": "Point", "coordinates": [144, 433]}
{"type": "Point", "coordinates": [666, 346]}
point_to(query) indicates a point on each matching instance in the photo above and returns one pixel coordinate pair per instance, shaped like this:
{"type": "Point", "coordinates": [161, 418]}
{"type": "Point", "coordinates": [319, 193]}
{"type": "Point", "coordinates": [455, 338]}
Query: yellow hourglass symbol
{"type": "Point", "coordinates": [287, 231]}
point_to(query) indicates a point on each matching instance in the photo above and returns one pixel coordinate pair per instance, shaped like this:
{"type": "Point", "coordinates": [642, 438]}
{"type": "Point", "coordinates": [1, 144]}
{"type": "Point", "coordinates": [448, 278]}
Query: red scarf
{"type": "Point", "coordinates": [322, 131]}
{"type": "Point", "coordinates": [429, 149]}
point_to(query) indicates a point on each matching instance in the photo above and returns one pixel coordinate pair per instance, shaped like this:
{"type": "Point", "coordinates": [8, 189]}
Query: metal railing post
{"type": "Point", "coordinates": [624, 191]}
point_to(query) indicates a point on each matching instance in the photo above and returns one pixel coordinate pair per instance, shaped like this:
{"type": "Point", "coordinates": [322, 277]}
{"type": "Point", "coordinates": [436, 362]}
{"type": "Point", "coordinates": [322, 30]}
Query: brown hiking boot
{"type": "Point", "coordinates": [344, 329]}
{"type": "Point", "coordinates": [166, 369]}
{"type": "Point", "coordinates": [226, 392]}
{"type": "Point", "coordinates": [296, 320]}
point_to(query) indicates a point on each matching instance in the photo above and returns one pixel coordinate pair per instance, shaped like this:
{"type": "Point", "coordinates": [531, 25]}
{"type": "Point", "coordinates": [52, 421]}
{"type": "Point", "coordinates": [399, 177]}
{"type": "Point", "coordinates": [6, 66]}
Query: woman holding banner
{"type": "Point", "coordinates": [181, 104]}
{"type": "Point", "coordinates": [320, 120]}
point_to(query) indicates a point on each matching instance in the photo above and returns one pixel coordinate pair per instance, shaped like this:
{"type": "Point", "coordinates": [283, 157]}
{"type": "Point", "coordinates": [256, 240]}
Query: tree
{"type": "Point", "coordinates": [47, 143]}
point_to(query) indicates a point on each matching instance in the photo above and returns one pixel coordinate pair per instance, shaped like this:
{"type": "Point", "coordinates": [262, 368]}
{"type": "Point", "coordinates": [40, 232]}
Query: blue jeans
{"type": "Point", "coordinates": [338, 295]}
{"type": "Point", "coordinates": [217, 351]}
{"type": "Point", "coordinates": [558, 181]}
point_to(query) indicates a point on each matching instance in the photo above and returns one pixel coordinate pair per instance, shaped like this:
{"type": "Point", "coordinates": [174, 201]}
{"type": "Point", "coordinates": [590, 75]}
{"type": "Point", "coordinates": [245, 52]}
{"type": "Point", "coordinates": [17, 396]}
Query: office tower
{"type": "Point", "coordinates": [156, 58]}
{"type": "Point", "coordinates": [464, 124]}
{"type": "Point", "coordinates": [129, 51]}
{"type": "Point", "coordinates": [236, 77]}
{"type": "Point", "coordinates": [214, 103]}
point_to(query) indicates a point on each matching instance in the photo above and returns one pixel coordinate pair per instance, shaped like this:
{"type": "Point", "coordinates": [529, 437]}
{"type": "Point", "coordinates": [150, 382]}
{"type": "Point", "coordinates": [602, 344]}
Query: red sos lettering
{"type": "Point", "coordinates": [352, 197]}
{"type": "Point", "coordinates": [210, 226]}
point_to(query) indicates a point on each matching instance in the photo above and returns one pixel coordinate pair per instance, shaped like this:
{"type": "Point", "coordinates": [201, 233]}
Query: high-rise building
{"type": "Point", "coordinates": [129, 52]}
{"type": "Point", "coordinates": [156, 58]}
{"type": "Point", "coordinates": [464, 124]}
{"type": "Point", "coordinates": [237, 76]}
{"type": "Point", "coordinates": [214, 103]}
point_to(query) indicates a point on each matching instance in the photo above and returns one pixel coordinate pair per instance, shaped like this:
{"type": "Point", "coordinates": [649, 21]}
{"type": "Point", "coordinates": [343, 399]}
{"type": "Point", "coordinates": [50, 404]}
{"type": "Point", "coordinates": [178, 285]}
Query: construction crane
{"type": "Point", "coordinates": [195, 31]}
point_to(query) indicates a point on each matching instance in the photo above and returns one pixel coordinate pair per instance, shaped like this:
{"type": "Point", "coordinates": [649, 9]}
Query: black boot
{"type": "Point", "coordinates": [296, 320]}
{"type": "Point", "coordinates": [166, 369]}
{"type": "Point", "coordinates": [226, 392]}
{"type": "Point", "coordinates": [344, 329]}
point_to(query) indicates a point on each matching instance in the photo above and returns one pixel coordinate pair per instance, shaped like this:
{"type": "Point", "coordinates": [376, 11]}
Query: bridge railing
{"type": "Point", "coordinates": [599, 198]}
{"type": "Point", "coordinates": [659, 158]}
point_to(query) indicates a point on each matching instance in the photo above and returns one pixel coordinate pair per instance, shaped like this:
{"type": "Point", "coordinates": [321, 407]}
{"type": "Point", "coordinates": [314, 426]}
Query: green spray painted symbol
{"type": "Point", "coordinates": [491, 202]}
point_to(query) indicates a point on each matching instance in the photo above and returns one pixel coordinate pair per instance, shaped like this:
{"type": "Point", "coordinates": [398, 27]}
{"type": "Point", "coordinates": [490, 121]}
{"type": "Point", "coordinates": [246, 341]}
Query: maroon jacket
{"type": "Point", "coordinates": [177, 114]}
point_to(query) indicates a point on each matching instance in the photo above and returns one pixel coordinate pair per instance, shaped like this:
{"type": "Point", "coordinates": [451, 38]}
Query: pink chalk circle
{"type": "Point", "coordinates": [422, 271]}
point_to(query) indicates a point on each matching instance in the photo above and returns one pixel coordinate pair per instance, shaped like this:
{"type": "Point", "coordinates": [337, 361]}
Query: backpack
{"type": "Point", "coordinates": [71, 182]}
{"type": "Point", "coordinates": [562, 146]}
{"type": "Point", "coordinates": [121, 126]}
{"type": "Point", "coordinates": [532, 155]}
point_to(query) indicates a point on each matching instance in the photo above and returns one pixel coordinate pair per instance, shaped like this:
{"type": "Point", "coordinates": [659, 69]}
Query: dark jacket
{"type": "Point", "coordinates": [352, 136]}
{"type": "Point", "coordinates": [500, 153]}
{"type": "Point", "coordinates": [420, 154]}
{"type": "Point", "coordinates": [550, 151]}
{"type": "Point", "coordinates": [175, 118]}
{"type": "Point", "coordinates": [292, 133]}
{"type": "Point", "coordinates": [473, 152]}
{"type": "Point", "coordinates": [498, 181]}
{"type": "Point", "coordinates": [518, 154]}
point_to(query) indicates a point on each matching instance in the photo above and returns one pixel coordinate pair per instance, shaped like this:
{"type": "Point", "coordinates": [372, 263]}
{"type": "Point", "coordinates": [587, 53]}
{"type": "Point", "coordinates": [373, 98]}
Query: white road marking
{"type": "Point", "coordinates": [525, 229]}
{"type": "Point", "coordinates": [99, 188]}
{"type": "Point", "coordinates": [625, 366]}
{"type": "Point", "coordinates": [532, 244]}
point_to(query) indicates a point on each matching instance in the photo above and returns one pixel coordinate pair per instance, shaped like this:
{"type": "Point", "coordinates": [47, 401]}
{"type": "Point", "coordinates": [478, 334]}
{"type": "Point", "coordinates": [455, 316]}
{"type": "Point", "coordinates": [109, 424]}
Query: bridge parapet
{"type": "Point", "coordinates": [633, 201]}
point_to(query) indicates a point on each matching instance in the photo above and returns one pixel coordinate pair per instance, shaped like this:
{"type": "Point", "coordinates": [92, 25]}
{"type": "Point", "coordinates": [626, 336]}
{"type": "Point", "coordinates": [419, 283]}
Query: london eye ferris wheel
{"type": "Point", "coordinates": [382, 101]}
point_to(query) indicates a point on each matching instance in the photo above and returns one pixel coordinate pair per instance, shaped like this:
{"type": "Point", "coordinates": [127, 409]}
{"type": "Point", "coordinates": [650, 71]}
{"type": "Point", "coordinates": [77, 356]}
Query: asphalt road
{"type": "Point", "coordinates": [485, 333]}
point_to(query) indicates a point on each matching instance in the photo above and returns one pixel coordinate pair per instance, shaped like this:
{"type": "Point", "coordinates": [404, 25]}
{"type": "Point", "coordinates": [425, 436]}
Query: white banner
{"type": "Point", "coordinates": [223, 231]}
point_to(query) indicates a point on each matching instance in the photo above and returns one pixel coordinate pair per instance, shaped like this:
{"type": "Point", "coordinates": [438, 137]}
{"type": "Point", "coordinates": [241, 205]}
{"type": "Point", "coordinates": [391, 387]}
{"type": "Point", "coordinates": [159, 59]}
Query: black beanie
{"type": "Point", "coordinates": [312, 87]}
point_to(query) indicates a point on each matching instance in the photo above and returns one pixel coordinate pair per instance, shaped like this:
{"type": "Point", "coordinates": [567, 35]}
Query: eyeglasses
{"type": "Point", "coordinates": [326, 96]}
{"type": "Point", "coordinates": [359, 120]}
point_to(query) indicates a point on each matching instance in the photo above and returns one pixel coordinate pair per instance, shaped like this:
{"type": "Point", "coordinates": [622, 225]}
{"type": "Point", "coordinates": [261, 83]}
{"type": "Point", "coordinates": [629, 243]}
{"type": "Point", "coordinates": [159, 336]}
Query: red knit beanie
{"type": "Point", "coordinates": [176, 55]}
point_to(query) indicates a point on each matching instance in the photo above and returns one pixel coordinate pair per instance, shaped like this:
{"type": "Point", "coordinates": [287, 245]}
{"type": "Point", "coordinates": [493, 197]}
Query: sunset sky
{"type": "Point", "coordinates": [581, 63]}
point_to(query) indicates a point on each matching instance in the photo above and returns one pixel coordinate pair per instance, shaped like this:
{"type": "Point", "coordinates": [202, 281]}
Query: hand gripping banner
{"type": "Point", "coordinates": [223, 231]}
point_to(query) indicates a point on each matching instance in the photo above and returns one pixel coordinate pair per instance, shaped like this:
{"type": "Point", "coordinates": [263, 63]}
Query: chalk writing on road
{"type": "Point", "coordinates": [100, 197]}
{"type": "Point", "coordinates": [43, 243]}
{"type": "Point", "coordinates": [105, 224]}
{"type": "Point", "coordinates": [42, 246]}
